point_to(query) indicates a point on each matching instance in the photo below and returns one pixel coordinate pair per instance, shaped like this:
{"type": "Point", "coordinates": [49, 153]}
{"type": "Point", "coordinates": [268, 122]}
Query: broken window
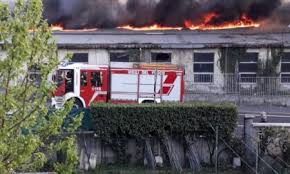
{"type": "Point", "coordinates": [161, 57]}
{"type": "Point", "coordinates": [203, 67]}
{"type": "Point", "coordinates": [285, 68]}
{"type": "Point", "coordinates": [119, 57]}
{"type": "Point", "coordinates": [80, 58]}
{"type": "Point", "coordinates": [248, 67]}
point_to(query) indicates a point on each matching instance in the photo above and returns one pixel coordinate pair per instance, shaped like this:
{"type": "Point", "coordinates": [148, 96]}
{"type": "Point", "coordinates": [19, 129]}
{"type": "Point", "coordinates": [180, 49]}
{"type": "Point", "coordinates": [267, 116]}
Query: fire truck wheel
{"type": "Point", "coordinates": [148, 101]}
{"type": "Point", "coordinates": [77, 104]}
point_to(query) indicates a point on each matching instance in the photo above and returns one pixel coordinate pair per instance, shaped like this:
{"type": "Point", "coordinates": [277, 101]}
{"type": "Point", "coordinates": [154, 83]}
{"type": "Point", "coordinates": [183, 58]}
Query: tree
{"type": "Point", "coordinates": [29, 132]}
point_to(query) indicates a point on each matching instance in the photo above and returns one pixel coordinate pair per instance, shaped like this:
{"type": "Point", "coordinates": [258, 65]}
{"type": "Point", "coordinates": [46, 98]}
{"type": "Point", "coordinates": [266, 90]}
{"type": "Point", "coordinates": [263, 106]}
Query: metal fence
{"type": "Point", "coordinates": [238, 85]}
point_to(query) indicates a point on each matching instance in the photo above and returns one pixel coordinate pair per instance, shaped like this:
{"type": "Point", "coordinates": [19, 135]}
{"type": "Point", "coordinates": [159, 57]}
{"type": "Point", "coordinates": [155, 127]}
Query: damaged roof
{"type": "Point", "coordinates": [172, 39]}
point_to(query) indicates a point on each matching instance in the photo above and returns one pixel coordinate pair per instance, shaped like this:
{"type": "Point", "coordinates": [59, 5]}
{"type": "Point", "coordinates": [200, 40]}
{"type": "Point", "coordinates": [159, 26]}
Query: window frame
{"type": "Point", "coordinates": [284, 73]}
{"type": "Point", "coordinates": [249, 72]}
{"type": "Point", "coordinates": [211, 81]}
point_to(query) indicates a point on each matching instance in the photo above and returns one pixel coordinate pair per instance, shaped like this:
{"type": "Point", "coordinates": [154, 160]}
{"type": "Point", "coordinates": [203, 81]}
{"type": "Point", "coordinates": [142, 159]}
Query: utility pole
{"type": "Point", "coordinates": [216, 148]}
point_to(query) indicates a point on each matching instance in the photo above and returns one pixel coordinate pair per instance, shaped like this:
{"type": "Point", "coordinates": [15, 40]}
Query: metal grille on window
{"type": "Point", "coordinates": [285, 68]}
{"type": "Point", "coordinates": [203, 67]}
{"type": "Point", "coordinates": [248, 68]}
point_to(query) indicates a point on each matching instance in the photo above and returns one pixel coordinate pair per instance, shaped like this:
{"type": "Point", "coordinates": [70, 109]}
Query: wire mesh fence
{"type": "Point", "coordinates": [239, 85]}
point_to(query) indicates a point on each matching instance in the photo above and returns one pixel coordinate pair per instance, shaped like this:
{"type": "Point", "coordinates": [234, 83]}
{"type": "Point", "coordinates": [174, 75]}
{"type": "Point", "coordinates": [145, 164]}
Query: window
{"type": "Point", "coordinates": [161, 57]}
{"type": "Point", "coordinates": [96, 79]}
{"type": "Point", "coordinates": [203, 67]}
{"type": "Point", "coordinates": [119, 57]}
{"type": "Point", "coordinates": [285, 68]}
{"type": "Point", "coordinates": [84, 76]}
{"type": "Point", "coordinates": [248, 67]}
{"type": "Point", "coordinates": [80, 57]}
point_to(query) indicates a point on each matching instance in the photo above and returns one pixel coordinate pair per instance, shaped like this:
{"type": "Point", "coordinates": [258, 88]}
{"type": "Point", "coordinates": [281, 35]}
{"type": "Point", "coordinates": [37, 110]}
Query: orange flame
{"type": "Point", "coordinates": [59, 27]}
{"type": "Point", "coordinates": [149, 28]}
{"type": "Point", "coordinates": [243, 22]}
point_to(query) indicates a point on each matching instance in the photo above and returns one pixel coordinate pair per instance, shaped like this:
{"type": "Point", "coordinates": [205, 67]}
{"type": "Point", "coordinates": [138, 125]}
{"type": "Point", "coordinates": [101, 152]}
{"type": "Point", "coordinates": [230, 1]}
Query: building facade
{"type": "Point", "coordinates": [239, 66]}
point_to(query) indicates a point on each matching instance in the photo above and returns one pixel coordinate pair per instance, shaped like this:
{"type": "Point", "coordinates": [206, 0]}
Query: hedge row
{"type": "Point", "coordinates": [147, 120]}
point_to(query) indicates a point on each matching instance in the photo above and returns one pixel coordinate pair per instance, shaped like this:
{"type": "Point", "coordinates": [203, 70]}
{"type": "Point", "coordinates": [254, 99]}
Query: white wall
{"type": "Point", "coordinates": [96, 56]}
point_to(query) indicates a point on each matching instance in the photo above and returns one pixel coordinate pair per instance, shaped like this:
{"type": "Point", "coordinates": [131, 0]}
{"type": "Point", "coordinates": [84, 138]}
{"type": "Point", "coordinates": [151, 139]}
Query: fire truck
{"type": "Point", "coordinates": [143, 83]}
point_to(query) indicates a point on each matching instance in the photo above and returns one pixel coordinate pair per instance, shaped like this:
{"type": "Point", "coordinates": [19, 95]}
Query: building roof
{"type": "Point", "coordinates": [172, 39]}
{"type": "Point", "coordinates": [122, 39]}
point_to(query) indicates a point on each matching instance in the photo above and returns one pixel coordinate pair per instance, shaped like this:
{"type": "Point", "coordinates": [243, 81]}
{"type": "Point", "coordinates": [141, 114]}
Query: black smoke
{"type": "Point", "coordinates": [77, 14]}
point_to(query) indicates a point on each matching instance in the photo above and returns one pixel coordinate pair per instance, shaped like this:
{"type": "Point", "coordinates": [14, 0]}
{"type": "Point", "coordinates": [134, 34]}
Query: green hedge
{"type": "Point", "coordinates": [146, 120]}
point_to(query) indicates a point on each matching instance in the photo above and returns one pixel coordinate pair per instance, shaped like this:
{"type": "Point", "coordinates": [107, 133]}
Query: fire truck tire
{"type": "Point", "coordinates": [77, 103]}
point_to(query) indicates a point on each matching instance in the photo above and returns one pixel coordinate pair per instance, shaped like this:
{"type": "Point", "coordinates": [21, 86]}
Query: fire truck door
{"type": "Point", "coordinates": [98, 86]}
{"type": "Point", "coordinates": [91, 89]}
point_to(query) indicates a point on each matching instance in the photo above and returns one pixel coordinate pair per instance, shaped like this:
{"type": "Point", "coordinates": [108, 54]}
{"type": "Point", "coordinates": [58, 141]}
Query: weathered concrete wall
{"type": "Point", "coordinates": [92, 152]}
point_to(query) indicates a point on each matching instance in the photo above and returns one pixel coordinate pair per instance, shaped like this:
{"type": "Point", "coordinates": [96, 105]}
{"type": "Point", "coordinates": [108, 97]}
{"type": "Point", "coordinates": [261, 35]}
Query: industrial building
{"type": "Point", "coordinates": [231, 65]}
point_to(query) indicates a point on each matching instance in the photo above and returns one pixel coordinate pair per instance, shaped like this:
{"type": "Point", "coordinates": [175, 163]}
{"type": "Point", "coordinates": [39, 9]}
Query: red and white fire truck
{"type": "Point", "coordinates": [146, 83]}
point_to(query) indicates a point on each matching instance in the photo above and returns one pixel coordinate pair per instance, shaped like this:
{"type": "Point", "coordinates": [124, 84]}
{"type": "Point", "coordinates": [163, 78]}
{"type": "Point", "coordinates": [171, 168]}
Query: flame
{"type": "Point", "coordinates": [243, 22]}
{"type": "Point", "coordinates": [59, 27]}
{"type": "Point", "coordinates": [149, 28]}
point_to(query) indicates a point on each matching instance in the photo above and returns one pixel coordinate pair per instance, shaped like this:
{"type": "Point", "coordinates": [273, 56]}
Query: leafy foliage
{"type": "Point", "coordinates": [29, 133]}
{"type": "Point", "coordinates": [151, 120]}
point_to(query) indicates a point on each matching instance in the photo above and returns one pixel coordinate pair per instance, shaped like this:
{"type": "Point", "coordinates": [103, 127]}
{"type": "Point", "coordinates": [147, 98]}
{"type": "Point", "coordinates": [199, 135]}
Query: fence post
{"type": "Point", "coordinates": [216, 148]}
{"type": "Point", "coordinates": [249, 132]}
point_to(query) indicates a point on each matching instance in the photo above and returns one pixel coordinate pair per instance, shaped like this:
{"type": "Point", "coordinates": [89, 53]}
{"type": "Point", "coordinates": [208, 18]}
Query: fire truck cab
{"type": "Point", "coordinates": [87, 84]}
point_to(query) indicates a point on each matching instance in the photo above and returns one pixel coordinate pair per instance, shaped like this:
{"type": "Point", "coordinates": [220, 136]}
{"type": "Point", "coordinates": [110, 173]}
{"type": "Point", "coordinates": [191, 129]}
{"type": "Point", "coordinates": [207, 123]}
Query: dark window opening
{"type": "Point", "coordinates": [80, 58]}
{"type": "Point", "coordinates": [286, 57]}
{"type": "Point", "coordinates": [250, 57]}
{"type": "Point", "coordinates": [203, 67]}
{"type": "Point", "coordinates": [161, 57]}
{"type": "Point", "coordinates": [203, 57]}
{"type": "Point", "coordinates": [199, 67]}
{"type": "Point", "coordinates": [248, 67]}
{"type": "Point", "coordinates": [119, 57]}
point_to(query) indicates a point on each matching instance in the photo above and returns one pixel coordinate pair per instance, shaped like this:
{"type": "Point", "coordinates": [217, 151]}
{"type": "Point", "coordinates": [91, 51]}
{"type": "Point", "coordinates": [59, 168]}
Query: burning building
{"type": "Point", "coordinates": [219, 65]}
{"type": "Point", "coordinates": [230, 49]}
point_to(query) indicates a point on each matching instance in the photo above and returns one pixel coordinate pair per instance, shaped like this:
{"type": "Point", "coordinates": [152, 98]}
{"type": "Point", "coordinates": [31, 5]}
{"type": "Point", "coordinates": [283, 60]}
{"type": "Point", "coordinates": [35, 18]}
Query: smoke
{"type": "Point", "coordinates": [75, 14]}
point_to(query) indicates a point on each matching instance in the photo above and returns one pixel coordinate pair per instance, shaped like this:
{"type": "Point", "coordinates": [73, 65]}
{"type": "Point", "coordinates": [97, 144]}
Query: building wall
{"type": "Point", "coordinates": [210, 91]}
